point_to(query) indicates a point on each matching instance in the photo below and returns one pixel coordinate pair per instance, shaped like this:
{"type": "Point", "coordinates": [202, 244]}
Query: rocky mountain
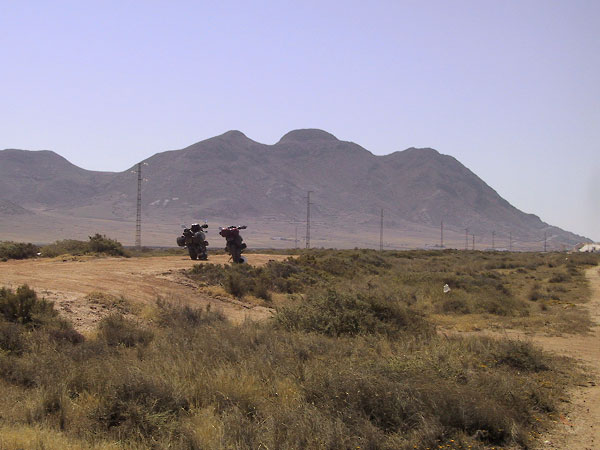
{"type": "Point", "coordinates": [231, 177]}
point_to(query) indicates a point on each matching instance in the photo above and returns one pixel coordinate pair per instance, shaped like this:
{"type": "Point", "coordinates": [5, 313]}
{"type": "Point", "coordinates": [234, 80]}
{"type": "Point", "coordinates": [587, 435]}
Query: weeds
{"type": "Point", "coordinates": [351, 360]}
{"type": "Point", "coordinates": [503, 286]}
{"type": "Point", "coordinates": [117, 330]}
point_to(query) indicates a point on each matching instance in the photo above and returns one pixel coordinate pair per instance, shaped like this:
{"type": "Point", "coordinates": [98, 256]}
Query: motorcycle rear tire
{"type": "Point", "coordinates": [236, 254]}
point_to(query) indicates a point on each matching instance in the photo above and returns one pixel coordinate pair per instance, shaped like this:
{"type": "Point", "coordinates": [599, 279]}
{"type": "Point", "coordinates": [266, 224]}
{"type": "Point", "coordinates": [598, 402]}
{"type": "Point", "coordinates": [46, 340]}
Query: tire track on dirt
{"type": "Point", "coordinates": [69, 280]}
{"type": "Point", "coordinates": [579, 428]}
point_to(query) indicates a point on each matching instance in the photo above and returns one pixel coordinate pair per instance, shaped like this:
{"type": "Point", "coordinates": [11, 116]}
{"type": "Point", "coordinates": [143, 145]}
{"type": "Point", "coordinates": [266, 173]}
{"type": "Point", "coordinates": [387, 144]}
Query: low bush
{"type": "Point", "coordinates": [11, 337]}
{"type": "Point", "coordinates": [201, 382]}
{"type": "Point", "coordinates": [184, 317]}
{"type": "Point", "coordinates": [17, 250]}
{"type": "Point", "coordinates": [334, 314]}
{"type": "Point", "coordinates": [97, 244]}
{"type": "Point", "coordinates": [101, 244]}
{"type": "Point", "coordinates": [24, 307]}
{"type": "Point", "coordinates": [117, 330]}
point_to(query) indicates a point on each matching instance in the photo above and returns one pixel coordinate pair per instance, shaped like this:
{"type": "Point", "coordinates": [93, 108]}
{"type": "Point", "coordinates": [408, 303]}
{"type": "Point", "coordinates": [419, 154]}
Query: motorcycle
{"type": "Point", "coordinates": [194, 239]}
{"type": "Point", "coordinates": [234, 243]}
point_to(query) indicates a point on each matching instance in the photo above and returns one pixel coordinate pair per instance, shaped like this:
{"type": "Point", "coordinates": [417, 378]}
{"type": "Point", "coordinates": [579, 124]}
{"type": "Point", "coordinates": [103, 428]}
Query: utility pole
{"type": "Point", "coordinates": [442, 234]}
{"type": "Point", "coordinates": [493, 240]}
{"type": "Point", "coordinates": [308, 219]}
{"type": "Point", "coordinates": [466, 239]}
{"type": "Point", "coordinates": [138, 216]}
{"type": "Point", "coordinates": [545, 243]}
{"type": "Point", "coordinates": [510, 241]}
{"type": "Point", "coordinates": [473, 242]}
{"type": "Point", "coordinates": [296, 238]}
{"type": "Point", "coordinates": [381, 232]}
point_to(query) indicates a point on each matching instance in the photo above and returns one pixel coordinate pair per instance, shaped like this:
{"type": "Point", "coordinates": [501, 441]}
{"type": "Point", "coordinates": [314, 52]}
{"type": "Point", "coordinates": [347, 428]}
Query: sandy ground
{"type": "Point", "coordinates": [579, 427]}
{"type": "Point", "coordinates": [68, 280]}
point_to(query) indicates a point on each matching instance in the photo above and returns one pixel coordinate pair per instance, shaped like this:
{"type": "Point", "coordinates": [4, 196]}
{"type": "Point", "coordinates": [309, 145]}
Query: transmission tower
{"type": "Point", "coordinates": [442, 234]}
{"type": "Point", "coordinates": [381, 232]}
{"type": "Point", "coordinates": [473, 242]}
{"type": "Point", "coordinates": [510, 241]}
{"type": "Point", "coordinates": [493, 240]}
{"type": "Point", "coordinates": [138, 216]}
{"type": "Point", "coordinates": [308, 219]}
{"type": "Point", "coordinates": [545, 242]}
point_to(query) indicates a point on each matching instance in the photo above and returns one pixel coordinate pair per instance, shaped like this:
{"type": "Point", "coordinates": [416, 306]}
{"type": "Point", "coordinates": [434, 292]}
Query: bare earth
{"type": "Point", "coordinates": [579, 429]}
{"type": "Point", "coordinates": [68, 280]}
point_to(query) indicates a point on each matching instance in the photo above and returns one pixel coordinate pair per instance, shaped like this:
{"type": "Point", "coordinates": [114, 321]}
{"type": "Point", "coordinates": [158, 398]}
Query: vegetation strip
{"type": "Point", "coordinates": [350, 359]}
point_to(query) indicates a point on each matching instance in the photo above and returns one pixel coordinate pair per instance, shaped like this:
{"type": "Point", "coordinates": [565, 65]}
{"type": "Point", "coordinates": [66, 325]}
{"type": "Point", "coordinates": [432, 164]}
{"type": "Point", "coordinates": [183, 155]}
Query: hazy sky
{"type": "Point", "coordinates": [509, 88]}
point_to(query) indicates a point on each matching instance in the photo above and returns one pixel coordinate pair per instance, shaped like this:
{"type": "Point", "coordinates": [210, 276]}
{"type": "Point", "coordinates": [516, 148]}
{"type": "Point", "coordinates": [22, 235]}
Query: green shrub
{"type": "Point", "coordinates": [212, 274]}
{"type": "Point", "coordinates": [101, 244]}
{"type": "Point", "coordinates": [237, 284]}
{"type": "Point", "coordinates": [137, 405]}
{"type": "Point", "coordinates": [96, 244]}
{"type": "Point", "coordinates": [560, 278]}
{"type": "Point", "coordinates": [117, 330]}
{"type": "Point", "coordinates": [183, 317]}
{"type": "Point", "coordinates": [24, 307]}
{"type": "Point", "coordinates": [63, 247]}
{"type": "Point", "coordinates": [17, 250]}
{"type": "Point", "coordinates": [333, 313]}
{"type": "Point", "coordinates": [519, 355]}
{"type": "Point", "coordinates": [11, 337]}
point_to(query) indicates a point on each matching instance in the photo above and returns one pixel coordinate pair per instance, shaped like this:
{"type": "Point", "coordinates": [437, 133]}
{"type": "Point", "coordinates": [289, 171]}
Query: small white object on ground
{"type": "Point", "coordinates": [446, 288]}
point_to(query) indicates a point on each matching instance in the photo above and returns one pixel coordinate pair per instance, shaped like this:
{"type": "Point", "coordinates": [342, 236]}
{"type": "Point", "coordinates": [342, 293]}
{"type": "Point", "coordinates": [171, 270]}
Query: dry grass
{"type": "Point", "coordinates": [349, 361]}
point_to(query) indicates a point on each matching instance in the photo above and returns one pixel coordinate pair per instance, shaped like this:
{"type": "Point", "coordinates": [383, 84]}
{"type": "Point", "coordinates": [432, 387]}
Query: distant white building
{"type": "Point", "coordinates": [590, 248]}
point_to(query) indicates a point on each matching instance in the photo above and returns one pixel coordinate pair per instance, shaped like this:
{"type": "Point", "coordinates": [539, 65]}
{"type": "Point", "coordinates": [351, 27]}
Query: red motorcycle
{"type": "Point", "coordinates": [234, 243]}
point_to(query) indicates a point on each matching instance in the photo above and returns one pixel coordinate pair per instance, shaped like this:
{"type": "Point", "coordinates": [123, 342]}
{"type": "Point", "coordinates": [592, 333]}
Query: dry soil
{"type": "Point", "coordinates": [69, 280]}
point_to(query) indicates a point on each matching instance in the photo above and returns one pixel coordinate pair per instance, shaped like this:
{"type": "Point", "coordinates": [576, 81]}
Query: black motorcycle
{"type": "Point", "coordinates": [234, 243]}
{"type": "Point", "coordinates": [194, 239]}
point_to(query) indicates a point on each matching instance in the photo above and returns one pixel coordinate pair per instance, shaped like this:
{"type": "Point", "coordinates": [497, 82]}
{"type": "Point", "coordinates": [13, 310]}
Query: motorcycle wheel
{"type": "Point", "coordinates": [236, 254]}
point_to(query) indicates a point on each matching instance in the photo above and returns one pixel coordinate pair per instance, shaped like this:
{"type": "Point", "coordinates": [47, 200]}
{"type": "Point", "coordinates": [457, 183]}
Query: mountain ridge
{"type": "Point", "coordinates": [232, 176]}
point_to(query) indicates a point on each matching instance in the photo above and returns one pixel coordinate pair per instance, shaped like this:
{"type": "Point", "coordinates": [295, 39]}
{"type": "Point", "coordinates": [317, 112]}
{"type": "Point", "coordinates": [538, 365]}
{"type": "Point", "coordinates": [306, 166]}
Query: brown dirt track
{"type": "Point", "coordinates": [579, 427]}
{"type": "Point", "coordinates": [68, 280]}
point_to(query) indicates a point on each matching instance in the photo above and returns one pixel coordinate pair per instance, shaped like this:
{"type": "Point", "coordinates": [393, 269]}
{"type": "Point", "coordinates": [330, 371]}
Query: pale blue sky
{"type": "Point", "coordinates": [509, 88]}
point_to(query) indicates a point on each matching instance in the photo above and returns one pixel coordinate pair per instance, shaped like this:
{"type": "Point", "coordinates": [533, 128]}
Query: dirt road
{"type": "Point", "coordinates": [580, 428]}
{"type": "Point", "coordinates": [68, 280]}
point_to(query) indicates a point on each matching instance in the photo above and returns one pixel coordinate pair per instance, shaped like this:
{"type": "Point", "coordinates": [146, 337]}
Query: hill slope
{"type": "Point", "coordinates": [231, 177]}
